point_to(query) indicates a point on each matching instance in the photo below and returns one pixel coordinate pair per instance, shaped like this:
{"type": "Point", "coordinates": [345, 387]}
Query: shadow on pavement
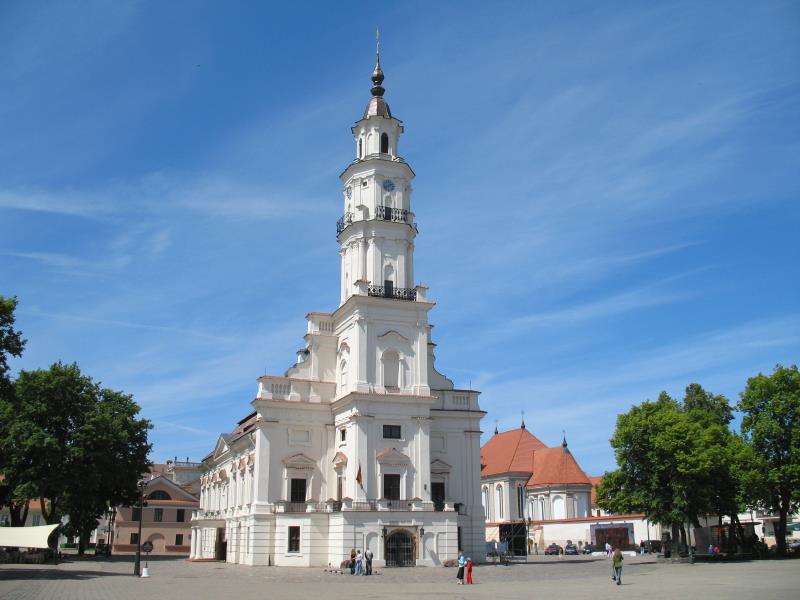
{"type": "Point", "coordinates": [53, 573]}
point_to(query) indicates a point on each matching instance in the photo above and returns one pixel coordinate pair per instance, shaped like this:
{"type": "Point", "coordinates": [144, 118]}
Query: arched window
{"type": "Point", "coordinates": [391, 369]}
{"type": "Point", "coordinates": [384, 143]}
{"type": "Point", "coordinates": [360, 148]}
{"type": "Point", "coordinates": [159, 495]}
{"type": "Point", "coordinates": [541, 509]}
{"type": "Point", "coordinates": [486, 503]}
{"type": "Point", "coordinates": [521, 502]}
{"type": "Point", "coordinates": [559, 507]}
{"type": "Point", "coordinates": [499, 499]}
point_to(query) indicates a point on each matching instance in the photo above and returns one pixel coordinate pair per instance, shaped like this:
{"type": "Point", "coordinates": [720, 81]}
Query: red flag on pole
{"type": "Point", "coordinates": [358, 477]}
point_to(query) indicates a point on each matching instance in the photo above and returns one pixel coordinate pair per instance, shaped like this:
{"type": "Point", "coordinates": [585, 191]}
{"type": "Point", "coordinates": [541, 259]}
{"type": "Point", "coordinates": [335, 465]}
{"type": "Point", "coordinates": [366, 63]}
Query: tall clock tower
{"type": "Point", "coordinates": [376, 232]}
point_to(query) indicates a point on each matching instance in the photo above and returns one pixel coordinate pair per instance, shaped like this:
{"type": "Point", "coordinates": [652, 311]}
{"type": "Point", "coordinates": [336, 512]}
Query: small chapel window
{"type": "Point", "coordinates": [360, 148]}
{"type": "Point", "coordinates": [294, 539]}
{"type": "Point", "coordinates": [342, 434]}
{"type": "Point", "coordinates": [384, 143]}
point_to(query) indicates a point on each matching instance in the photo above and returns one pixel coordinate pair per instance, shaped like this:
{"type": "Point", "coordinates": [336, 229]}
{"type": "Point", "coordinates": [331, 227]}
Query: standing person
{"type": "Point", "coordinates": [469, 570]}
{"type": "Point", "coordinates": [462, 563]}
{"type": "Point", "coordinates": [359, 563]}
{"type": "Point", "coordinates": [368, 561]}
{"type": "Point", "coordinates": [617, 559]}
{"type": "Point", "coordinates": [641, 547]}
{"type": "Point", "coordinates": [352, 561]}
{"type": "Point", "coordinates": [608, 549]}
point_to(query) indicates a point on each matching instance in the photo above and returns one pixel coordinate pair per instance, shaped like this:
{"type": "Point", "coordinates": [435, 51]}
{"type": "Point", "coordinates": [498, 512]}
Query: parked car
{"type": "Point", "coordinates": [571, 549]}
{"type": "Point", "coordinates": [588, 549]}
{"type": "Point", "coordinates": [553, 550]}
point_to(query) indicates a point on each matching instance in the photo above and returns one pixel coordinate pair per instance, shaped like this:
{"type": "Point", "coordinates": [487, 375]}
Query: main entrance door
{"type": "Point", "coordinates": [399, 550]}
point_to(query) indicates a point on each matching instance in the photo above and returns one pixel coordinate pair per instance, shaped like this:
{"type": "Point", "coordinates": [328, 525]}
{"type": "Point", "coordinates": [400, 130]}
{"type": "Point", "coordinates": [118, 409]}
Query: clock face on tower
{"type": "Point", "coordinates": [388, 185]}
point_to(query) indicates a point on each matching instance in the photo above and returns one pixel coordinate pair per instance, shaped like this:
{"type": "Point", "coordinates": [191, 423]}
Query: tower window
{"type": "Point", "coordinates": [384, 143]}
{"type": "Point", "coordinates": [360, 148]}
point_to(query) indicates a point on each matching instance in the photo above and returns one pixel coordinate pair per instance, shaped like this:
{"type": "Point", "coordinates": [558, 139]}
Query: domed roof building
{"type": "Point", "coordinates": [534, 495]}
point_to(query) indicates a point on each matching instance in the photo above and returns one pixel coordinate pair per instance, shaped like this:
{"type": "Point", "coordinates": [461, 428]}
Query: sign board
{"type": "Point", "coordinates": [147, 546]}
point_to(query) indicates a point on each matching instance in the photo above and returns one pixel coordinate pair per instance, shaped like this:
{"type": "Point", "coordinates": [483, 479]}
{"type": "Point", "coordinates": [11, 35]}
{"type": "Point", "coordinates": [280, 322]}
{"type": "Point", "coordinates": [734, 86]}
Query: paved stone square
{"type": "Point", "coordinates": [544, 578]}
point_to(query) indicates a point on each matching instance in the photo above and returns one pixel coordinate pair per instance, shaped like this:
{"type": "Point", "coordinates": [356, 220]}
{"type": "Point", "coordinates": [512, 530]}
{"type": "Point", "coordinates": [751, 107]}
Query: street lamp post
{"type": "Point", "coordinates": [136, 570]}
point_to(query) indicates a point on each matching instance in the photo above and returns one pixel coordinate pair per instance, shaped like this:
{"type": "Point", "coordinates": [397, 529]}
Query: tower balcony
{"type": "Point", "coordinates": [389, 291]}
{"type": "Point", "coordinates": [382, 213]}
{"type": "Point", "coordinates": [387, 213]}
{"type": "Point", "coordinates": [342, 223]}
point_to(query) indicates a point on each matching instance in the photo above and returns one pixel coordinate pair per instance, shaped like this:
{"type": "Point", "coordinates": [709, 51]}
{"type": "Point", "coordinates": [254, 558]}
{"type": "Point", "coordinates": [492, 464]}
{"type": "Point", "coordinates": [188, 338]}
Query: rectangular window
{"type": "Point", "coordinates": [137, 514]}
{"type": "Point", "coordinates": [391, 487]}
{"type": "Point", "coordinates": [134, 538]}
{"type": "Point", "coordinates": [179, 539]}
{"type": "Point", "coordinates": [343, 434]}
{"type": "Point", "coordinates": [391, 432]}
{"type": "Point", "coordinates": [181, 515]}
{"type": "Point", "coordinates": [437, 495]}
{"type": "Point", "coordinates": [298, 490]}
{"type": "Point", "coordinates": [460, 540]}
{"type": "Point", "coordinates": [294, 539]}
{"type": "Point", "coordinates": [158, 515]}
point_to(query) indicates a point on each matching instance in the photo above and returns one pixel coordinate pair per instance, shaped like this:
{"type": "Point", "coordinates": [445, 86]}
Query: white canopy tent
{"type": "Point", "coordinates": [26, 537]}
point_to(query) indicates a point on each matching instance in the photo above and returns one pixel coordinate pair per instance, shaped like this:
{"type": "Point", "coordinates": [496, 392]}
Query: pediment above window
{"type": "Point", "coordinates": [439, 466]}
{"type": "Point", "coordinates": [299, 461]}
{"type": "Point", "coordinates": [392, 334]}
{"type": "Point", "coordinates": [339, 461]}
{"type": "Point", "coordinates": [392, 456]}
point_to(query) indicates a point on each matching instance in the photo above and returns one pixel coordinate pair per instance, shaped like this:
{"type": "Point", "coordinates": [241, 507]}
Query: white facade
{"type": "Point", "coordinates": [361, 443]}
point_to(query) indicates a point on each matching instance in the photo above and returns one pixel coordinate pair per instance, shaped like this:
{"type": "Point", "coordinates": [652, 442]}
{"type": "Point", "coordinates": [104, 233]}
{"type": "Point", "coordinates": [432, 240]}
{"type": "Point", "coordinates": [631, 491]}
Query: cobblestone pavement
{"type": "Point", "coordinates": [173, 579]}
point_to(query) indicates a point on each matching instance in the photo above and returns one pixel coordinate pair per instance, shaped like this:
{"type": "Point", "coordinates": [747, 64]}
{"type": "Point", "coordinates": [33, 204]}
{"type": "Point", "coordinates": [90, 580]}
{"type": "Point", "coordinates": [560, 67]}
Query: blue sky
{"type": "Point", "coordinates": [607, 196]}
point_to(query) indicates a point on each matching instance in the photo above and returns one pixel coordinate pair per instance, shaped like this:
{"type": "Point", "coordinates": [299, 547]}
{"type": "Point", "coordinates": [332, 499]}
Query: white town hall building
{"type": "Point", "coordinates": [362, 443]}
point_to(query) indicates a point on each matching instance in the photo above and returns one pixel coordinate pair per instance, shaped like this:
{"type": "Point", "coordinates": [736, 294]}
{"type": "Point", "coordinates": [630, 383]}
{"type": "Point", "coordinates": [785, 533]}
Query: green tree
{"type": "Point", "coordinates": [74, 443]}
{"type": "Point", "coordinates": [674, 460]}
{"type": "Point", "coordinates": [11, 344]}
{"type": "Point", "coordinates": [771, 423]}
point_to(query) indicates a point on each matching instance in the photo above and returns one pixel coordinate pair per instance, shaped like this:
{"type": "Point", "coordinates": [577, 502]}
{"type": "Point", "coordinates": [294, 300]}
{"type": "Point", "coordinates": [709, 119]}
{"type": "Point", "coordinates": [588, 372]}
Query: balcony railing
{"type": "Point", "coordinates": [342, 223]}
{"type": "Point", "coordinates": [387, 213]}
{"type": "Point", "coordinates": [382, 291]}
{"type": "Point", "coordinates": [382, 213]}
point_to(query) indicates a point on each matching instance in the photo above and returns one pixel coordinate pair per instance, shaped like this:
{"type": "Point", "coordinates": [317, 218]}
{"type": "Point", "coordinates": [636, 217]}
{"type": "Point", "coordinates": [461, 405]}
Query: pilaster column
{"type": "Point", "coordinates": [362, 254]}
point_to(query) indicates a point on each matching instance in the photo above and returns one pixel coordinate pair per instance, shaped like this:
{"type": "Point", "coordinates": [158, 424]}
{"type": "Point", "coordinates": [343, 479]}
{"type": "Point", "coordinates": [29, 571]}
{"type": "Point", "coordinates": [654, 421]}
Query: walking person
{"type": "Point", "coordinates": [616, 564]}
{"type": "Point", "coordinates": [359, 563]}
{"type": "Point", "coordinates": [469, 570]}
{"type": "Point", "coordinates": [368, 561]}
{"type": "Point", "coordinates": [608, 550]}
{"type": "Point", "coordinates": [462, 563]}
{"type": "Point", "coordinates": [352, 561]}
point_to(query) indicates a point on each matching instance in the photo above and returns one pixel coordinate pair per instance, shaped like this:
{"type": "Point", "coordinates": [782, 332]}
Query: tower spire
{"type": "Point", "coordinates": [377, 75]}
{"type": "Point", "coordinates": [523, 420]}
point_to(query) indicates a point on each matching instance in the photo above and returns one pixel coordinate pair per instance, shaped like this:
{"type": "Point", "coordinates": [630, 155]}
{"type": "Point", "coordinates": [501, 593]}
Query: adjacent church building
{"type": "Point", "coordinates": [534, 496]}
{"type": "Point", "coordinates": [361, 443]}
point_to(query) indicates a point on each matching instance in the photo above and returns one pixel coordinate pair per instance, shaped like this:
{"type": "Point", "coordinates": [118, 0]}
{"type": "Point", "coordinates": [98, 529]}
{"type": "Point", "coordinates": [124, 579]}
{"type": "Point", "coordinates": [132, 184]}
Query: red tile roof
{"type": "Point", "coordinates": [510, 451]}
{"type": "Point", "coordinates": [553, 466]}
{"type": "Point", "coordinates": [519, 451]}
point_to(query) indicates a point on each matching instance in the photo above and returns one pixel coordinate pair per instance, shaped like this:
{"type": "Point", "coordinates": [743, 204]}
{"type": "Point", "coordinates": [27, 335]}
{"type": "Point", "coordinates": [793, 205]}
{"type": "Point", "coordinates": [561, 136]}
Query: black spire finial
{"type": "Point", "coordinates": [495, 427]}
{"type": "Point", "coordinates": [523, 420]}
{"type": "Point", "coordinates": [377, 74]}
{"type": "Point", "coordinates": [564, 441]}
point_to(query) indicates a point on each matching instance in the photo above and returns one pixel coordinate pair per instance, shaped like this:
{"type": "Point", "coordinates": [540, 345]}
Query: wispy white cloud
{"type": "Point", "coordinates": [129, 324]}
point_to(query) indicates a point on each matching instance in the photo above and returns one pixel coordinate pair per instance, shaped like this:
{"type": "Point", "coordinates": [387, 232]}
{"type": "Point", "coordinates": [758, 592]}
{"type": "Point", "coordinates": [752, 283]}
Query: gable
{"type": "Point", "coordinates": [299, 461]}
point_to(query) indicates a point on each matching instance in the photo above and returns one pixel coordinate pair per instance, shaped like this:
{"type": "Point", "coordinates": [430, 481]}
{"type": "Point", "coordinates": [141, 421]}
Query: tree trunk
{"type": "Point", "coordinates": [49, 515]}
{"type": "Point", "coordinates": [81, 544]}
{"type": "Point", "coordinates": [683, 545]}
{"type": "Point", "coordinates": [780, 531]}
{"type": "Point", "coordinates": [18, 513]}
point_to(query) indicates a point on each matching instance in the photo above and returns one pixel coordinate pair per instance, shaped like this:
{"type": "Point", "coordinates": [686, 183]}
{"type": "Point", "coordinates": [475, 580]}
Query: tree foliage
{"type": "Point", "coordinates": [676, 460]}
{"type": "Point", "coordinates": [11, 344]}
{"type": "Point", "coordinates": [771, 424]}
{"type": "Point", "coordinates": [74, 443]}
